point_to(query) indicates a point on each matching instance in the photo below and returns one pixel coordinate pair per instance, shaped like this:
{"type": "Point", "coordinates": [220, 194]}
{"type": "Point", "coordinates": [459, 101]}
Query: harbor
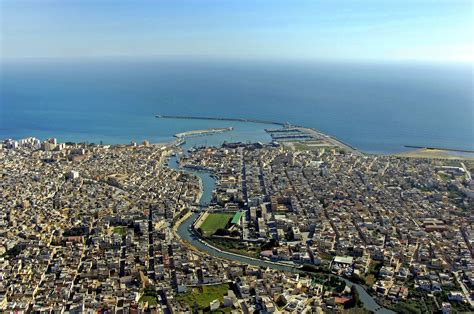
{"type": "Point", "coordinates": [285, 132]}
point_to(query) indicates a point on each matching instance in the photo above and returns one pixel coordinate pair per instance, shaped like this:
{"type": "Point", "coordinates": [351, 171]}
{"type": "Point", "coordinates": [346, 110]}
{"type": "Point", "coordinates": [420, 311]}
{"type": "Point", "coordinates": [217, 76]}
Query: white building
{"type": "Point", "coordinates": [214, 305]}
{"type": "Point", "coordinates": [72, 175]}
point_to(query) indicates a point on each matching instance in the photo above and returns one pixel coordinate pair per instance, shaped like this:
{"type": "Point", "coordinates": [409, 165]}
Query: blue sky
{"type": "Point", "coordinates": [379, 30]}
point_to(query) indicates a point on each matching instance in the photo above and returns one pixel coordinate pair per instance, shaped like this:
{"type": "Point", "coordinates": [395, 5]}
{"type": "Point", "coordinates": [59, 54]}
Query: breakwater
{"type": "Point", "coordinates": [203, 132]}
{"type": "Point", "coordinates": [309, 133]}
{"type": "Point", "coordinates": [218, 119]}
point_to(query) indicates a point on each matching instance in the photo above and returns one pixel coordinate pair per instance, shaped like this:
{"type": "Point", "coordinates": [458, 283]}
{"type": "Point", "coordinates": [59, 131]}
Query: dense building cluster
{"type": "Point", "coordinates": [90, 233]}
{"type": "Point", "coordinates": [402, 227]}
{"type": "Point", "coordinates": [87, 228]}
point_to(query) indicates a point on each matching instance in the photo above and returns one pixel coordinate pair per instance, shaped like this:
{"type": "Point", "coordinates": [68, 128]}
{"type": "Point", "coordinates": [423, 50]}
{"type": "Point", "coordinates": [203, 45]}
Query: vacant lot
{"type": "Point", "coordinates": [120, 230]}
{"type": "Point", "coordinates": [236, 247]}
{"type": "Point", "coordinates": [201, 296]}
{"type": "Point", "coordinates": [214, 222]}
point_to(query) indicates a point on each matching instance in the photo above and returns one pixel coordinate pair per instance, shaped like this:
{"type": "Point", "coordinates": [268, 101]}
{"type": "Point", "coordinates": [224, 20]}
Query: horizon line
{"type": "Point", "coordinates": [211, 59]}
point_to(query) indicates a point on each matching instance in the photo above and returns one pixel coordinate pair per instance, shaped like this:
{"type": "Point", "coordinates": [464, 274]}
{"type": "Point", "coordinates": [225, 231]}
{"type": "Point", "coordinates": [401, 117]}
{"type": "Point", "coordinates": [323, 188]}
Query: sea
{"type": "Point", "coordinates": [376, 107]}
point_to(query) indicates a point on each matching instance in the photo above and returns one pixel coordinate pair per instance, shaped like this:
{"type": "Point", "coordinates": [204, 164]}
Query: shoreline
{"type": "Point", "coordinates": [442, 153]}
{"type": "Point", "coordinates": [429, 152]}
{"type": "Point", "coordinates": [439, 154]}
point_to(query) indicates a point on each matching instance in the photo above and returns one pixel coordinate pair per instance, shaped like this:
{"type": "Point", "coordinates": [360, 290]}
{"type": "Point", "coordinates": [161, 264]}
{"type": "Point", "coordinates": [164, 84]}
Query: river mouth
{"type": "Point", "coordinates": [186, 232]}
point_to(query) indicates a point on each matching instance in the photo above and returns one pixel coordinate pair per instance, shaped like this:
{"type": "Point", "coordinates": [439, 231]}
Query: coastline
{"type": "Point", "coordinates": [424, 152]}
{"type": "Point", "coordinates": [179, 139]}
{"type": "Point", "coordinates": [435, 154]}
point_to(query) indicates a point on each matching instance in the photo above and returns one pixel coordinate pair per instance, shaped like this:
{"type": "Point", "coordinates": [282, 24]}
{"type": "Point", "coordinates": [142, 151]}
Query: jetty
{"type": "Point", "coordinates": [203, 132]}
{"type": "Point", "coordinates": [159, 116]}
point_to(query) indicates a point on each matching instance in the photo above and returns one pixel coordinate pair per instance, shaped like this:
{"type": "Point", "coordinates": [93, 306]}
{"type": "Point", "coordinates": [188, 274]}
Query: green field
{"type": "Point", "coordinates": [149, 296]}
{"type": "Point", "coordinates": [236, 247]}
{"type": "Point", "coordinates": [151, 300]}
{"type": "Point", "coordinates": [203, 295]}
{"type": "Point", "coordinates": [120, 230]}
{"type": "Point", "coordinates": [214, 222]}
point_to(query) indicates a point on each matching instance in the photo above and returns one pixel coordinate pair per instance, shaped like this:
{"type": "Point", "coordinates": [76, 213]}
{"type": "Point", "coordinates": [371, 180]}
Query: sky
{"type": "Point", "coordinates": [378, 30]}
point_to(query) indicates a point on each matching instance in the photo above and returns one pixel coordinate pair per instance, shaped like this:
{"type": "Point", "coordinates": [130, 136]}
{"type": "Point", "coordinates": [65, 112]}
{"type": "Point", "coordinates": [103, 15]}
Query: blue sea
{"type": "Point", "coordinates": [377, 108]}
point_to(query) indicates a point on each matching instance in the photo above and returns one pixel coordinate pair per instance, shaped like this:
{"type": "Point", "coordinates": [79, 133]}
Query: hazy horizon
{"type": "Point", "coordinates": [298, 31]}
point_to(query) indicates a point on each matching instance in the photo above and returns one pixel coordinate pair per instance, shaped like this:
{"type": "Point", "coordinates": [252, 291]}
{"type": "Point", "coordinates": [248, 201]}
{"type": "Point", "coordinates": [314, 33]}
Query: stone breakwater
{"type": "Point", "coordinates": [203, 132]}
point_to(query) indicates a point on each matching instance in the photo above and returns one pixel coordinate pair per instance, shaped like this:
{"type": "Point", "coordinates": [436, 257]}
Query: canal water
{"type": "Point", "coordinates": [208, 184]}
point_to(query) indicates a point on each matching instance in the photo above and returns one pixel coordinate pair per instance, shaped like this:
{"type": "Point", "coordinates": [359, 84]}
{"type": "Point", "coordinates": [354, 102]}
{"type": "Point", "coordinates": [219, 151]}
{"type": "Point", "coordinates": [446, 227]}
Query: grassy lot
{"type": "Point", "coordinates": [120, 230]}
{"type": "Point", "coordinates": [149, 296]}
{"type": "Point", "coordinates": [444, 176]}
{"type": "Point", "coordinates": [203, 295]}
{"type": "Point", "coordinates": [236, 247]}
{"type": "Point", "coordinates": [325, 256]}
{"type": "Point", "coordinates": [370, 280]}
{"type": "Point", "coordinates": [152, 301]}
{"type": "Point", "coordinates": [213, 222]}
{"type": "Point", "coordinates": [452, 163]}
{"type": "Point", "coordinates": [410, 306]}
{"type": "Point", "coordinates": [371, 276]}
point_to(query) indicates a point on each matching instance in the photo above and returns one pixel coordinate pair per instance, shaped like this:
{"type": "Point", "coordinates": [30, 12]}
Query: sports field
{"type": "Point", "coordinates": [215, 221]}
